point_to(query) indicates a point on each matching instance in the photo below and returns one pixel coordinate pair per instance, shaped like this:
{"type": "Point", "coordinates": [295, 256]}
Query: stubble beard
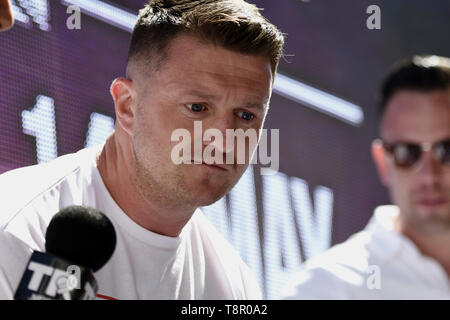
{"type": "Point", "coordinates": [171, 189]}
{"type": "Point", "coordinates": [433, 224]}
{"type": "Point", "coordinates": [152, 185]}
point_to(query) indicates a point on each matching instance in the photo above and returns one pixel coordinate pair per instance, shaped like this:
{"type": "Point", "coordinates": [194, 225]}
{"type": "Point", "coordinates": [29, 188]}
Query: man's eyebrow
{"type": "Point", "coordinates": [201, 94]}
{"type": "Point", "coordinates": [250, 105]}
{"type": "Point", "coordinates": [255, 105]}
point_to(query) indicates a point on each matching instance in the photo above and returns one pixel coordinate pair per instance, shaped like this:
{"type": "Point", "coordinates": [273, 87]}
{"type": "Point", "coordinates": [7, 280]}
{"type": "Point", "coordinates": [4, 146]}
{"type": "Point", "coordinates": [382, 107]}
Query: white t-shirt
{"type": "Point", "coordinates": [376, 263]}
{"type": "Point", "coordinates": [197, 264]}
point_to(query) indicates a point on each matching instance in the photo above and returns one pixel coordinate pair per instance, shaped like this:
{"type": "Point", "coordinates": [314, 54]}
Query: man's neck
{"type": "Point", "coordinates": [115, 165]}
{"type": "Point", "coordinates": [435, 246]}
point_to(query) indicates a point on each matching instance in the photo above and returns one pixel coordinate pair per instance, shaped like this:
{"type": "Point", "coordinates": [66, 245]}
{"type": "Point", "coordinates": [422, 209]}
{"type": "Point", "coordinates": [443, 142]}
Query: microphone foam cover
{"type": "Point", "coordinates": [81, 235]}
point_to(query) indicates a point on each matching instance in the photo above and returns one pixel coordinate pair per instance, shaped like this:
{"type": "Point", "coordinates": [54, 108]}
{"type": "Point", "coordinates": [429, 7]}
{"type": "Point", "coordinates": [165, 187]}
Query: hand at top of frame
{"type": "Point", "coordinates": [6, 17]}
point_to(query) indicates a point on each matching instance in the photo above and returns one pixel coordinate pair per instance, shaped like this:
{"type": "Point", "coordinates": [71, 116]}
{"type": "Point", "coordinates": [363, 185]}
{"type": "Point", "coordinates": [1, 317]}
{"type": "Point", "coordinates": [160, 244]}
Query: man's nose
{"type": "Point", "coordinates": [216, 128]}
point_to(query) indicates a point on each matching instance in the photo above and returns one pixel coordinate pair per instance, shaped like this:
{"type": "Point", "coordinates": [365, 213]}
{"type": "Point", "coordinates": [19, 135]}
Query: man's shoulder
{"type": "Point", "coordinates": [225, 257]}
{"type": "Point", "coordinates": [214, 238]}
{"type": "Point", "coordinates": [14, 256]}
{"type": "Point", "coordinates": [21, 188]}
{"type": "Point", "coordinates": [337, 272]}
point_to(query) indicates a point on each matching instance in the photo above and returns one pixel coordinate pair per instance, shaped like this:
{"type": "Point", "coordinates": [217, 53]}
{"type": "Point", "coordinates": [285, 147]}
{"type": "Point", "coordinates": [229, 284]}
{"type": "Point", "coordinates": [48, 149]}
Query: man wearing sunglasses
{"type": "Point", "coordinates": [404, 252]}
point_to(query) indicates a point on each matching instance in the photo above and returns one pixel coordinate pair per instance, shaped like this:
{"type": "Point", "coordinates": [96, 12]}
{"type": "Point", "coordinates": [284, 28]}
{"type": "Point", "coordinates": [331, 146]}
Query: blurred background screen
{"type": "Point", "coordinates": [54, 100]}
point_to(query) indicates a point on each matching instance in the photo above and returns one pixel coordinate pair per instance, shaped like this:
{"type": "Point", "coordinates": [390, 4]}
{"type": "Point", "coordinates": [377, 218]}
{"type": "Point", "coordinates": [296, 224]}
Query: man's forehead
{"type": "Point", "coordinates": [412, 97]}
{"type": "Point", "coordinates": [417, 116]}
{"type": "Point", "coordinates": [214, 90]}
{"type": "Point", "coordinates": [195, 67]}
{"type": "Point", "coordinates": [191, 53]}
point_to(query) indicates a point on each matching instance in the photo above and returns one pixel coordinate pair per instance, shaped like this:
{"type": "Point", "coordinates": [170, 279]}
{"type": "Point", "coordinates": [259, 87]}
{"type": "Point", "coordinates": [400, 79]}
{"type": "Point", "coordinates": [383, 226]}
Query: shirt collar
{"type": "Point", "coordinates": [386, 240]}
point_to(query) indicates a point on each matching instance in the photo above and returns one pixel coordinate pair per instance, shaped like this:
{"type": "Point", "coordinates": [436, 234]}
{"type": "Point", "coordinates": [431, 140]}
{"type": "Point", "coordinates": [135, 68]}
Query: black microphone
{"type": "Point", "coordinates": [78, 242]}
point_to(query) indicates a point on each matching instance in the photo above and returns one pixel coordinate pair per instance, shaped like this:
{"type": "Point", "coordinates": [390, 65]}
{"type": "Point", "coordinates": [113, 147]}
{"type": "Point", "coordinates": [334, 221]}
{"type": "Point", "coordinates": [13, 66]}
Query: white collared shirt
{"type": "Point", "coordinates": [376, 263]}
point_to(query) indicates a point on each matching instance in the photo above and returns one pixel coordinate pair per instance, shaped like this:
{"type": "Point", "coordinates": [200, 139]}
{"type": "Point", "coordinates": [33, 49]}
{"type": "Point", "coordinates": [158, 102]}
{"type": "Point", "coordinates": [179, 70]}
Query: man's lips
{"type": "Point", "coordinates": [217, 166]}
{"type": "Point", "coordinates": [432, 202]}
{"type": "Point", "coordinates": [222, 167]}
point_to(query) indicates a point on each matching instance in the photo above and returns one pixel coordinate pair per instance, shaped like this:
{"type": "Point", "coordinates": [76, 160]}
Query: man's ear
{"type": "Point", "coordinates": [379, 157]}
{"type": "Point", "coordinates": [124, 94]}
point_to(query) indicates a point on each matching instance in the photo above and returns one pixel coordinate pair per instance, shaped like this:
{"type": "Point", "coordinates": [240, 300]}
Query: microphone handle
{"type": "Point", "coordinates": [48, 277]}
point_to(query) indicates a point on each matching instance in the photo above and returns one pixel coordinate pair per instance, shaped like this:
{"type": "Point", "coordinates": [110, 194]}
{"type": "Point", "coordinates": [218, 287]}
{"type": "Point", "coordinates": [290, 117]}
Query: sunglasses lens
{"type": "Point", "coordinates": [442, 151]}
{"type": "Point", "coordinates": [406, 155]}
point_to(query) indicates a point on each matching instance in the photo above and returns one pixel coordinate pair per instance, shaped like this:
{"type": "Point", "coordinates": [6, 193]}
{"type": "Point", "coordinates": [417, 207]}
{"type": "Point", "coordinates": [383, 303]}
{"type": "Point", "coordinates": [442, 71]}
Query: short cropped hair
{"type": "Point", "coordinates": [233, 24]}
{"type": "Point", "coordinates": [420, 73]}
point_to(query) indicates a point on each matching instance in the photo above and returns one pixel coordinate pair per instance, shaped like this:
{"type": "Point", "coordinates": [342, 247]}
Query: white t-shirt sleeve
{"type": "Point", "coordinates": [251, 287]}
{"type": "Point", "coordinates": [6, 290]}
{"type": "Point", "coordinates": [14, 258]}
{"type": "Point", "coordinates": [225, 261]}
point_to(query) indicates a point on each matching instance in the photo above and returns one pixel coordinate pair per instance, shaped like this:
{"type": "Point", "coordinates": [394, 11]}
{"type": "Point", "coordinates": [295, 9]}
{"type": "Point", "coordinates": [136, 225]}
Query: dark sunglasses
{"type": "Point", "coordinates": [407, 154]}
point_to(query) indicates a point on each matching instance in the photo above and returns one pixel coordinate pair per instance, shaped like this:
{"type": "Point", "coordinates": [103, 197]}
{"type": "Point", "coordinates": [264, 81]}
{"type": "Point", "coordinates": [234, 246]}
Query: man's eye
{"type": "Point", "coordinates": [195, 107]}
{"type": "Point", "coordinates": [247, 116]}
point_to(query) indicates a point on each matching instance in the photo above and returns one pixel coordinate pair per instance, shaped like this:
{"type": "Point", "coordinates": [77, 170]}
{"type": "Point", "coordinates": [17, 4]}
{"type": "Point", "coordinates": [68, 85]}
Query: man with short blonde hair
{"type": "Point", "coordinates": [208, 61]}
